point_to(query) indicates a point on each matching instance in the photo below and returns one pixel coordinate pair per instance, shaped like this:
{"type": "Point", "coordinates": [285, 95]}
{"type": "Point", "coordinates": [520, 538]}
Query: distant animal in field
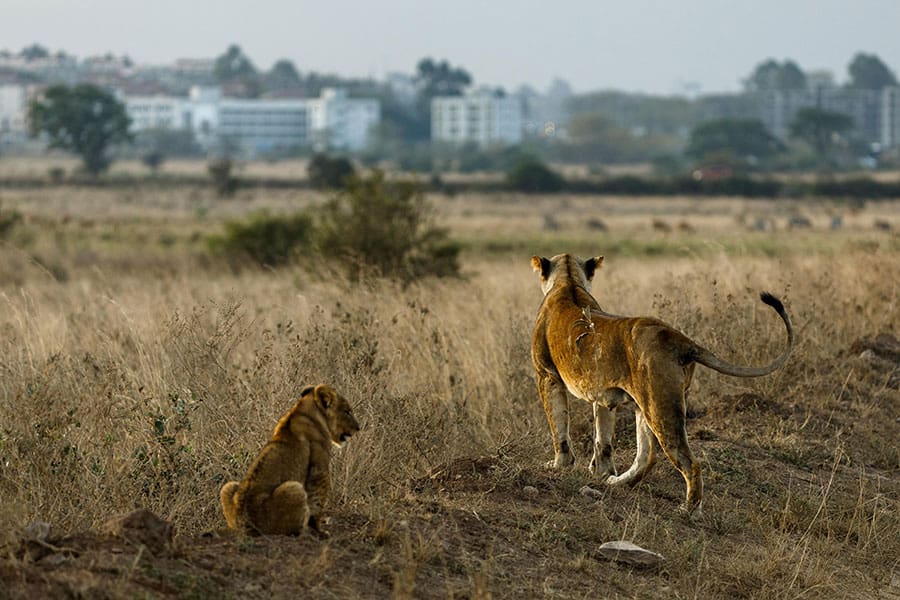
{"type": "Point", "coordinates": [610, 361]}
{"type": "Point", "coordinates": [799, 222]}
{"type": "Point", "coordinates": [882, 225]}
{"type": "Point", "coordinates": [595, 224]}
{"type": "Point", "coordinates": [763, 224]}
{"type": "Point", "coordinates": [660, 225]}
{"type": "Point", "coordinates": [286, 487]}
{"type": "Point", "coordinates": [550, 223]}
{"type": "Point", "coordinates": [837, 222]}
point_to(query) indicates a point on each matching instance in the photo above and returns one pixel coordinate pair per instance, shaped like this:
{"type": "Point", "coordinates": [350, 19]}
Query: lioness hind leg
{"type": "Point", "coordinates": [226, 495]}
{"type": "Point", "coordinates": [556, 405]}
{"type": "Point", "coordinates": [288, 510]}
{"type": "Point", "coordinates": [645, 455]}
{"type": "Point", "coordinates": [602, 464]}
{"type": "Point", "coordinates": [669, 427]}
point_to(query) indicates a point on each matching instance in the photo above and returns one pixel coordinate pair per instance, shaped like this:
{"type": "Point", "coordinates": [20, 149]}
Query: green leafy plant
{"type": "Point", "coordinates": [265, 239]}
{"type": "Point", "coordinates": [224, 182]}
{"type": "Point", "coordinates": [326, 172]}
{"type": "Point", "coordinates": [385, 227]}
{"type": "Point", "coordinates": [531, 175]}
{"type": "Point", "coordinates": [83, 119]}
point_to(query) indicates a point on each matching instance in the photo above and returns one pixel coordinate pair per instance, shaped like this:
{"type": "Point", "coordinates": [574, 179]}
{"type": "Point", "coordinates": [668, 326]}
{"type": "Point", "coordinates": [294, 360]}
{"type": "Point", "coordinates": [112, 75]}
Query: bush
{"type": "Point", "coordinates": [329, 173]}
{"type": "Point", "coordinates": [385, 227]}
{"type": "Point", "coordinates": [265, 239]}
{"type": "Point", "coordinates": [531, 175]}
{"type": "Point", "coordinates": [224, 182]}
{"type": "Point", "coordinates": [8, 220]}
{"type": "Point", "coordinates": [153, 160]}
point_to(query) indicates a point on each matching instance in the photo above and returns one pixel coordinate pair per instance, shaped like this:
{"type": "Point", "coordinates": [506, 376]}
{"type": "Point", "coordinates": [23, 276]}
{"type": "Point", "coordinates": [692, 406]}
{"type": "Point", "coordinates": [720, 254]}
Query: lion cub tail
{"type": "Point", "coordinates": [708, 359]}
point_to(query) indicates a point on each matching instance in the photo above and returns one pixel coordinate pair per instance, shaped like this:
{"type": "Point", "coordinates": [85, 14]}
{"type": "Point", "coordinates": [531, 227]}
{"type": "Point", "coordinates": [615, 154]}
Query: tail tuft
{"type": "Point", "coordinates": [772, 301]}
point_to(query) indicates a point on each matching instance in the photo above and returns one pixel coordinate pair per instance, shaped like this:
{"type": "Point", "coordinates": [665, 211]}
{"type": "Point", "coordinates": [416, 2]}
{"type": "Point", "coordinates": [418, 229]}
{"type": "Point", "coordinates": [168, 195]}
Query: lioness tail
{"type": "Point", "coordinates": [708, 359]}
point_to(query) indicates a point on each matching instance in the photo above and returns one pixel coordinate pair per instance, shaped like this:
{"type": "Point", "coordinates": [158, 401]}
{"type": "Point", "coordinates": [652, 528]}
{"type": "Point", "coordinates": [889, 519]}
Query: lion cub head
{"type": "Point", "coordinates": [338, 415]}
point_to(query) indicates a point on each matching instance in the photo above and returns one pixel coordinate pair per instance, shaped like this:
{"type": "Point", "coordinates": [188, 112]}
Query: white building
{"type": "Point", "coordinates": [13, 108]}
{"type": "Point", "coordinates": [875, 113]}
{"type": "Point", "coordinates": [342, 123]}
{"type": "Point", "coordinates": [890, 124]}
{"type": "Point", "coordinates": [13, 115]}
{"type": "Point", "coordinates": [259, 126]}
{"type": "Point", "coordinates": [157, 112]}
{"type": "Point", "coordinates": [481, 117]}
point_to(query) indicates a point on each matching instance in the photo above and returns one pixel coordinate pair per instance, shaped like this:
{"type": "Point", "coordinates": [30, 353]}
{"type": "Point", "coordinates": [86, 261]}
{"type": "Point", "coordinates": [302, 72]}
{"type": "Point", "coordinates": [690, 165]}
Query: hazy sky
{"type": "Point", "coordinates": [655, 46]}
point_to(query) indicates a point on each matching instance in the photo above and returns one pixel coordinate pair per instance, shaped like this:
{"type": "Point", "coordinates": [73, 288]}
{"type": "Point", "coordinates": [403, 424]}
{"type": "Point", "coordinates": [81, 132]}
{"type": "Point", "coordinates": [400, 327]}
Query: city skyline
{"type": "Point", "coordinates": [644, 46]}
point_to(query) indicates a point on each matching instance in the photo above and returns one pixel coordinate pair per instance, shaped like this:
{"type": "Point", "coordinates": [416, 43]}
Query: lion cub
{"type": "Point", "coordinates": [288, 483]}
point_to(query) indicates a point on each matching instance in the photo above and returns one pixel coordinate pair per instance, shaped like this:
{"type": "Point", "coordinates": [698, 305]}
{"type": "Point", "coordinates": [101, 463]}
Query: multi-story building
{"type": "Point", "coordinates": [890, 124]}
{"type": "Point", "coordinates": [875, 113]}
{"type": "Point", "coordinates": [263, 126]}
{"type": "Point", "coordinates": [259, 126]}
{"type": "Point", "coordinates": [342, 123]}
{"type": "Point", "coordinates": [481, 117]}
{"type": "Point", "coordinates": [13, 115]}
{"type": "Point", "coordinates": [157, 112]}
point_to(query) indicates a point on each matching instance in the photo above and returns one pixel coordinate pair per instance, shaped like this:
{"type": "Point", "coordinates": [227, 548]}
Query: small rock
{"type": "Point", "coordinates": [54, 560]}
{"type": "Point", "coordinates": [37, 531]}
{"type": "Point", "coordinates": [868, 355]}
{"type": "Point", "coordinates": [530, 490]}
{"type": "Point", "coordinates": [626, 552]}
{"type": "Point", "coordinates": [589, 492]}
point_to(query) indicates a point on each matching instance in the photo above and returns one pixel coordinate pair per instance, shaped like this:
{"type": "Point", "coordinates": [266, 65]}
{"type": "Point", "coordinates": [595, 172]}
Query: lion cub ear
{"type": "Point", "coordinates": [591, 265]}
{"type": "Point", "coordinates": [539, 263]}
{"type": "Point", "coordinates": [307, 390]}
{"type": "Point", "coordinates": [324, 395]}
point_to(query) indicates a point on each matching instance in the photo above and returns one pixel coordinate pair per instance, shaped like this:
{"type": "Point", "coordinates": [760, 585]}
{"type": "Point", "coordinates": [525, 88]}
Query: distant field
{"type": "Point", "coordinates": [138, 370]}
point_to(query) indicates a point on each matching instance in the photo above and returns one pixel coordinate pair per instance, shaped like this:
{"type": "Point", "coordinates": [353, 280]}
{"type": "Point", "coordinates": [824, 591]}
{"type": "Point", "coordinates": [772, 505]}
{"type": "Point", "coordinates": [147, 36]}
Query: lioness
{"type": "Point", "coordinates": [607, 360]}
{"type": "Point", "coordinates": [288, 483]}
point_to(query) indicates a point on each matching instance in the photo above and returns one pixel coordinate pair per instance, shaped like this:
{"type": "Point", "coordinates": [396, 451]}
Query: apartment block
{"type": "Point", "coordinates": [481, 117]}
{"type": "Point", "coordinates": [259, 126]}
{"type": "Point", "coordinates": [875, 113]}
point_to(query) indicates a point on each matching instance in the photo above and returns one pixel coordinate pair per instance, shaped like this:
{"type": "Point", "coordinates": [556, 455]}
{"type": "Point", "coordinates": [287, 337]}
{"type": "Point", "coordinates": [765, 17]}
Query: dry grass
{"type": "Point", "coordinates": [140, 373]}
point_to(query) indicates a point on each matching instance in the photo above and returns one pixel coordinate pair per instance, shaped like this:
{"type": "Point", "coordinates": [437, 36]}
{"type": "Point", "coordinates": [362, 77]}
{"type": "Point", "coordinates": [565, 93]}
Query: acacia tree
{"type": "Point", "coordinates": [435, 78]}
{"type": "Point", "coordinates": [770, 75]}
{"type": "Point", "coordinates": [867, 72]}
{"type": "Point", "coordinates": [234, 67]}
{"type": "Point", "coordinates": [83, 119]}
{"type": "Point", "coordinates": [819, 128]}
{"type": "Point", "coordinates": [283, 76]}
{"type": "Point", "coordinates": [385, 228]}
{"type": "Point", "coordinates": [732, 138]}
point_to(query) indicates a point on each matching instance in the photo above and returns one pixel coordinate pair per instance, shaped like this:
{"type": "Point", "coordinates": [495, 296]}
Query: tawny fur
{"type": "Point", "coordinates": [286, 487]}
{"type": "Point", "coordinates": [608, 360]}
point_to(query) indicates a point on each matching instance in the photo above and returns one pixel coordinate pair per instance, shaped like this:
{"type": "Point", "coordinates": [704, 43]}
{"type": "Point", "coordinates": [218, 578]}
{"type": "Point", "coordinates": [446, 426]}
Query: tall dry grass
{"type": "Point", "coordinates": [126, 384]}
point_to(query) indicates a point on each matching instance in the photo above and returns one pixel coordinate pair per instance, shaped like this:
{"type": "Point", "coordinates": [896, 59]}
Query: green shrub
{"type": "Point", "coordinates": [8, 220]}
{"type": "Point", "coordinates": [531, 175]}
{"type": "Point", "coordinates": [265, 239]}
{"type": "Point", "coordinates": [224, 182]}
{"type": "Point", "coordinates": [326, 172]}
{"type": "Point", "coordinates": [386, 228]}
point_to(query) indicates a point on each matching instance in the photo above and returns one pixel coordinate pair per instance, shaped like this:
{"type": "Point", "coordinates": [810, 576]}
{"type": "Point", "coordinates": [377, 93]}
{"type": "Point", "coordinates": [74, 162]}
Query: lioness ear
{"type": "Point", "coordinates": [591, 265]}
{"type": "Point", "coordinates": [307, 390]}
{"type": "Point", "coordinates": [539, 263]}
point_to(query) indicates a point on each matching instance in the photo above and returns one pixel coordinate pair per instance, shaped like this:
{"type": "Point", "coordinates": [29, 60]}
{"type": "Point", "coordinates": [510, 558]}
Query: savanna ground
{"type": "Point", "coordinates": [138, 371]}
